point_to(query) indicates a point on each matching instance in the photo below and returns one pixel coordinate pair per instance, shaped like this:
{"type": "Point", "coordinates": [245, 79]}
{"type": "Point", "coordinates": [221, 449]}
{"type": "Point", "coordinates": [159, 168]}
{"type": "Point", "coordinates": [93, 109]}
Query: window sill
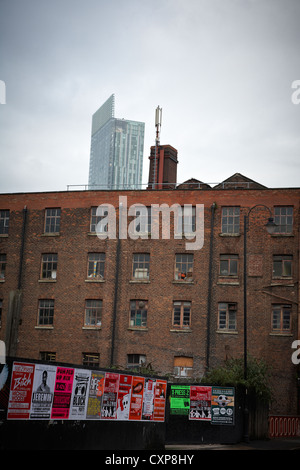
{"type": "Point", "coordinates": [91, 328]}
{"type": "Point", "coordinates": [94, 280]}
{"type": "Point", "coordinates": [280, 333]}
{"type": "Point", "coordinates": [229, 234]}
{"type": "Point", "coordinates": [181, 330]}
{"type": "Point", "coordinates": [183, 282]}
{"type": "Point", "coordinates": [139, 281]}
{"type": "Point", "coordinates": [282, 235]}
{"type": "Point", "coordinates": [50, 234]}
{"type": "Point", "coordinates": [228, 332]}
{"type": "Point", "coordinates": [46, 327]}
{"type": "Point", "coordinates": [137, 328]}
{"type": "Point", "coordinates": [47, 280]}
{"type": "Point", "coordinates": [3, 235]}
{"type": "Point", "coordinates": [2, 280]}
{"type": "Point", "coordinates": [289, 283]}
{"type": "Point", "coordinates": [228, 282]}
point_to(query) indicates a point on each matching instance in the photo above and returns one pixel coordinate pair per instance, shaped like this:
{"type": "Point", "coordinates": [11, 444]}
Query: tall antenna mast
{"type": "Point", "coordinates": [158, 116]}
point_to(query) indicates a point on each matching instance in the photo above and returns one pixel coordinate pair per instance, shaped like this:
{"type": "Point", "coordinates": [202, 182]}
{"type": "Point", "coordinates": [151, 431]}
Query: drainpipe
{"type": "Point", "coordinates": [14, 304]}
{"type": "Point", "coordinates": [210, 279]}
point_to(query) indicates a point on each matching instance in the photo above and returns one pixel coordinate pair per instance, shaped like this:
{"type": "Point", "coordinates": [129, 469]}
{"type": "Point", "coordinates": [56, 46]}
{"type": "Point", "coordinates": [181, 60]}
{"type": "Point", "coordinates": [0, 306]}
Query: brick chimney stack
{"type": "Point", "coordinates": [163, 174]}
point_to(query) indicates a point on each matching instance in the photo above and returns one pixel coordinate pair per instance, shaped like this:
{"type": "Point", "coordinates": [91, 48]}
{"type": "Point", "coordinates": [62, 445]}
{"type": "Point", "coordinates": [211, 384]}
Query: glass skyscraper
{"type": "Point", "coordinates": [117, 147]}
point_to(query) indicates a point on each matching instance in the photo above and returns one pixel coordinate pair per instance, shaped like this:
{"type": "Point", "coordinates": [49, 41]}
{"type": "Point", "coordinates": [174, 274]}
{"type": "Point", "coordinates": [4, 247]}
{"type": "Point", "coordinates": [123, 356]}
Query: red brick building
{"type": "Point", "coordinates": [69, 295]}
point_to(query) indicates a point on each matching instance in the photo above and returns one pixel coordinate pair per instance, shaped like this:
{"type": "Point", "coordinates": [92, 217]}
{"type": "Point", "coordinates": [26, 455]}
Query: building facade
{"type": "Point", "coordinates": [73, 290]}
{"type": "Point", "coordinates": [117, 147]}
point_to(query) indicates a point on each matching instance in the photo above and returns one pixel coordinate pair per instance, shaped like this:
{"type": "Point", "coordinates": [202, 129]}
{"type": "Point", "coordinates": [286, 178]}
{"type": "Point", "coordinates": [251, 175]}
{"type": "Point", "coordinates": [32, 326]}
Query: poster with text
{"type": "Point", "coordinates": [43, 391]}
{"type": "Point", "coordinates": [222, 405]}
{"type": "Point", "coordinates": [148, 399]}
{"type": "Point", "coordinates": [20, 391]}
{"type": "Point", "coordinates": [96, 390]}
{"type": "Point", "coordinates": [62, 393]}
{"type": "Point", "coordinates": [110, 396]}
{"type": "Point", "coordinates": [200, 403]}
{"type": "Point", "coordinates": [80, 394]}
{"type": "Point", "coordinates": [160, 400]}
{"type": "Point", "coordinates": [180, 400]}
{"type": "Point", "coordinates": [124, 396]}
{"type": "Point", "coordinates": [136, 404]}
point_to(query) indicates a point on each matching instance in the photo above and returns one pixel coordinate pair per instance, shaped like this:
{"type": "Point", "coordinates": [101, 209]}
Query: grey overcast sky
{"type": "Point", "coordinates": [222, 71]}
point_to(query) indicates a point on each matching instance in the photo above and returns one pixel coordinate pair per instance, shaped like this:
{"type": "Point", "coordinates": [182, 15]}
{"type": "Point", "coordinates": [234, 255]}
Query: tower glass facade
{"type": "Point", "coordinates": [117, 147]}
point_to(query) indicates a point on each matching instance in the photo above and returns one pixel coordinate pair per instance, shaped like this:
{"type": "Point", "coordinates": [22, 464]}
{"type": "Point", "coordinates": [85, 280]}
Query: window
{"type": "Point", "coordinates": [99, 222]}
{"type": "Point", "coordinates": [143, 219]}
{"type": "Point", "coordinates": [283, 219]}
{"type": "Point", "coordinates": [186, 221]}
{"type": "Point", "coordinates": [282, 265]}
{"type": "Point", "coordinates": [93, 313]}
{"type": "Point", "coordinates": [140, 265]}
{"type": "Point", "coordinates": [4, 222]}
{"type": "Point", "coordinates": [183, 366]}
{"type": "Point", "coordinates": [182, 314]}
{"type": "Point", "coordinates": [52, 220]}
{"type": "Point", "coordinates": [96, 263]}
{"type": "Point", "coordinates": [49, 266]}
{"type": "Point", "coordinates": [46, 312]}
{"type": "Point", "coordinates": [2, 266]}
{"type": "Point", "coordinates": [138, 313]}
{"type": "Point", "coordinates": [228, 265]}
{"type": "Point", "coordinates": [227, 316]}
{"type": "Point", "coordinates": [184, 267]}
{"type": "Point", "coordinates": [91, 359]}
{"type": "Point", "coordinates": [135, 361]}
{"type": "Point", "coordinates": [47, 356]}
{"type": "Point", "coordinates": [281, 318]}
{"type": "Point", "coordinates": [231, 220]}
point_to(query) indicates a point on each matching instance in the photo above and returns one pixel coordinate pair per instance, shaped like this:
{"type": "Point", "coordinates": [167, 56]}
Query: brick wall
{"type": "Point", "coordinates": [159, 341]}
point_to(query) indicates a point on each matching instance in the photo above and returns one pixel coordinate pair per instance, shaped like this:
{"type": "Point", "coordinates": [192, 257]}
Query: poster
{"type": "Point", "coordinates": [136, 404]}
{"type": "Point", "coordinates": [180, 400]}
{"type": "Point", "coordinates": [200, 403]}
{"type": "Point", "coordinates": [124, 397]}
{"type": "Point", "coordinates": [62, 393]}
{"type": "Point", "coordinates": [80, 394]}
{"type": "Point", "coordinates": [160, 400]}
{"type": "Point", "coordinates": [43, 391]}
{"type": "Point", "coordinates": [110, 396]}
{"type": "Point", "coordinates": [20, 391]}
{"type": "Point", "coordinates": [222, 405]}
{"type": "Point", "coordinates": [148, 399]}
{"type": "Point", "coordinates": [95, 395]}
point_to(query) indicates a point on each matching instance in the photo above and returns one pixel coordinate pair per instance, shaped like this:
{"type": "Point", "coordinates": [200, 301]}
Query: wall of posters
{"type": "Point", "coordinates": [222, 405]}
{"type": "Point", "coordinates": [180, 400]}
{"type": "Point", "coordinates": [200, 403]}
{"type": "Point", "coordinates": [20, 391]}
{"type": "Point", "coordinates": [46, 391]}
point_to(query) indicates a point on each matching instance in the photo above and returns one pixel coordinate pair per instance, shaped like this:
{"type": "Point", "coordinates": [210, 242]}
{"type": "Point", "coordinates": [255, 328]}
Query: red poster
{"type": "Point", "coordinates": [20, 391]}
{"type": "Point", "coordinates": [200, 403]}
{"type": "Point", "coordinates": [62, 393]}
{"type": "Point", "coordinates": [137, 392]}
{"type": "Point", "coordinates": [160, 400]}
{"type": "Point", "coordinates": [110, 395]}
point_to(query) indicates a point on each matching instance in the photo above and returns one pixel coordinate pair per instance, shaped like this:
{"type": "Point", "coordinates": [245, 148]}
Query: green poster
{"type": "Point", "coordinates": [180, 400]}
